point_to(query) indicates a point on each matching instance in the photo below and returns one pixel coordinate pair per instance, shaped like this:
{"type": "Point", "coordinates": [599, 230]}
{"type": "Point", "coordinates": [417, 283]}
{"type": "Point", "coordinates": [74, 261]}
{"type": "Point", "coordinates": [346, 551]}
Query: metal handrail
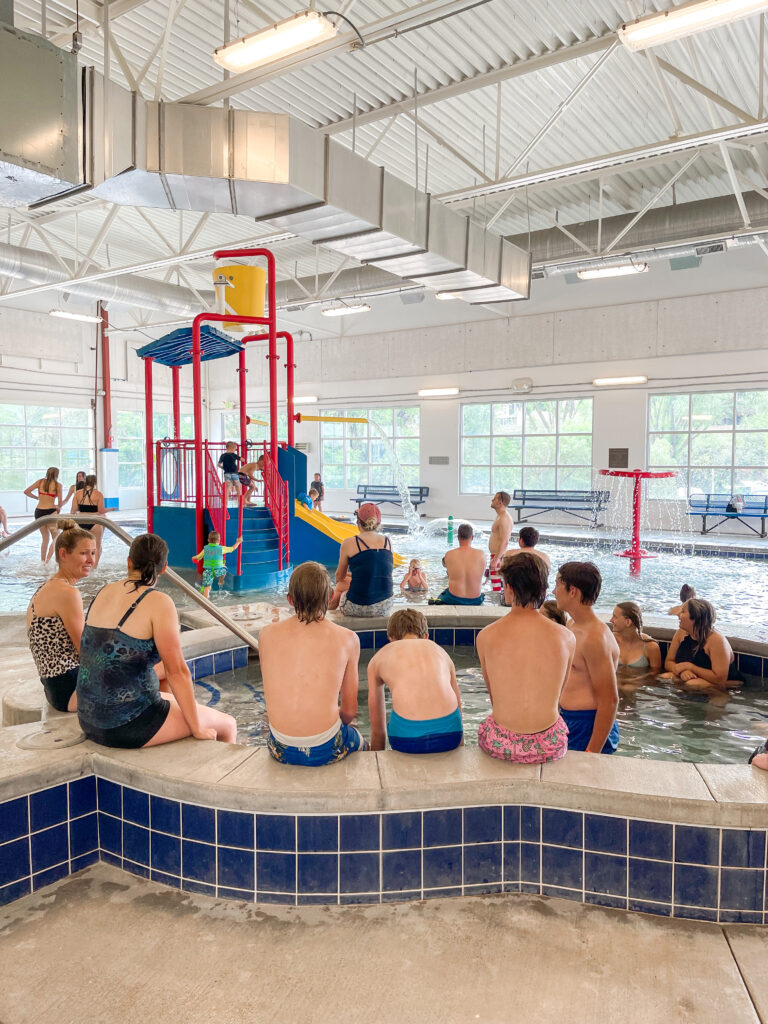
{"type": "Point", "coordinates": [170, 575]}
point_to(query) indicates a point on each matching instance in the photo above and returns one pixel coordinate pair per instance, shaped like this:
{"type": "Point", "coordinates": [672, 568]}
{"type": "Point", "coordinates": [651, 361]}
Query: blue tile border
{"type": "Point", "coordinates": [674, 870]}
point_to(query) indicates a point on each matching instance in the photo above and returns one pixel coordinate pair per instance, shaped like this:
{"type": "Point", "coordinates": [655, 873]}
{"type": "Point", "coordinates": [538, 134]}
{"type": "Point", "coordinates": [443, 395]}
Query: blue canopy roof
{"type": "Point", "coordinates": [175, 349]}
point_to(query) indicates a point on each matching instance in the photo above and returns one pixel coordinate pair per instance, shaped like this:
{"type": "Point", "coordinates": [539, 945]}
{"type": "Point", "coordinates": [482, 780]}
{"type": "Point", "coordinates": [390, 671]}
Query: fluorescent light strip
{"type": "Point", "coordinates": [617, 270]}
{"type": "Point", "coordinates": [445, 296]}
{"type": "Point", "coordinates": [303, 30]}
{"type": "Point", "coordinates": [360, 307]}
{"type": "Point", "coordinates": [610, 382]}
{"type": "Point", "coordinates": [437, 392]}
{"type": "Point", "coordinates": [685, 20]}
{"type": "Point", "coordinates": [305, 400]}
{"type": "Point", "coordinates": [85, 318]}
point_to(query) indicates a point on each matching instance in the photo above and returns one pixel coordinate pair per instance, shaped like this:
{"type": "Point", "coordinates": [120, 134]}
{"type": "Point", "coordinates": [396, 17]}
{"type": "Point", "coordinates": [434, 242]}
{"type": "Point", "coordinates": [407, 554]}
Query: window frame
{"type": "Point", "coordinates": [347, 435]}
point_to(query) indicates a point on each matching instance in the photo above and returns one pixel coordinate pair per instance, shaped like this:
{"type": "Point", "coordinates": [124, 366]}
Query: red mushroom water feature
{"type": "Point", "coordinates": [635, 553]}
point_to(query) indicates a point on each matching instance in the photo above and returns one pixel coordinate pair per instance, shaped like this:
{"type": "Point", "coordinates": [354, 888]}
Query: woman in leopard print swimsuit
{"type": "Point", "coordinates": [55, 617]}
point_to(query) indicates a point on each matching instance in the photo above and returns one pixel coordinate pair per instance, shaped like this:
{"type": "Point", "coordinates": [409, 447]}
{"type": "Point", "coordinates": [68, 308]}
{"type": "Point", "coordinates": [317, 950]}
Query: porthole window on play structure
{"type": "Point", "coordinates": [34, 437]}
{"type": "Point", "coordinates": [131, 441]}
{"type": "Point", "coordinates": [535, 444]}
{"type": "Point", "coordinates": [715, 441]}
{"type": "Point", "coordinates": [356, 453]}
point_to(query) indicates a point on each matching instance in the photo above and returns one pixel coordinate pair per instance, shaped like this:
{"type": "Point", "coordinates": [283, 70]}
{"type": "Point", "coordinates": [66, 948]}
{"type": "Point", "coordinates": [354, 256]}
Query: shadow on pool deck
{"type": "Point", "coordinates": [102, 946]}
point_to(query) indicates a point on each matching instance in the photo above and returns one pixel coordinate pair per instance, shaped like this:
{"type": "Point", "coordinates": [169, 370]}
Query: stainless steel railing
{"type": "Point", "coordinates": [170, 575]}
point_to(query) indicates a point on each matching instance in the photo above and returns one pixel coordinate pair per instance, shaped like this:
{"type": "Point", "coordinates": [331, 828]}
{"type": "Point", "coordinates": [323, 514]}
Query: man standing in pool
{"type": "Point", "coordinates": [307, 663]}
{"type": "Point", "coordinates": [498, 542]}
{"type": "Point", "coordinates": [590, 696]}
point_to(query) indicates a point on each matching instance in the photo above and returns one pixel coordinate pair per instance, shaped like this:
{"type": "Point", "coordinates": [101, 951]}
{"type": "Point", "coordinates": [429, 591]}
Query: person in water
{"type": "Point", "coordinates": [78, 485]}
{"type": "Point", "coordinates": [699, 657]}
{"type": "Point", "coordinates": [129, 627]}
{"type": "Point", "coordinates": [637, 651]}
{"type": "Point", "coordinates": [590, 696]}
{"type": "Point", "coordinates": [527, 539]}
{"type": "Point", "coordinates": [550, 611]}
{"type": "Point", "coordinates": [525, 659]}
{"type": "Point", "coordinates": [309, 669]}
{"type": "Point", "coordinates": [4, 532]}
{"type": "Point", "coordinates": [415, 579]}
{"type": "Point", "coordinates": [686, 593]}
{"type": "Point", "coordinates": [465, 566]}
{"type": "Point", "coordinates": [90, 499]}
{"type": "Point", "coordinates": [368, 557]}
{"type": "Point", "coordinates": [421, 677]}
{"type": "Point", "coordinates": [213, 561]}
{"type": "Point", "coordinates": [498, 542]}
{"type": "Point", "coordinates": [49, 502]}
{"type": "Point", "coordinates": [55, 617]}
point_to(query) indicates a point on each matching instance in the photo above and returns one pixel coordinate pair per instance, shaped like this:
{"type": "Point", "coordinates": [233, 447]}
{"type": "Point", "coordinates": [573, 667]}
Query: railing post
{"type": "Point", "coordinates": [175, 371]}
{"type": "Point", "coordinates": [290, 366]}
{"type": "Point", "coordinates": [197, 399]}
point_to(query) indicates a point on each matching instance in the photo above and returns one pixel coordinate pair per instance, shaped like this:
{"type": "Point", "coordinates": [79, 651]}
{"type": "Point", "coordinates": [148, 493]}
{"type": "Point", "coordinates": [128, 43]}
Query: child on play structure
{"type": "Point", "coordinates": [213, 561]}
{"type": "Point", "coordinates": [228, 463]}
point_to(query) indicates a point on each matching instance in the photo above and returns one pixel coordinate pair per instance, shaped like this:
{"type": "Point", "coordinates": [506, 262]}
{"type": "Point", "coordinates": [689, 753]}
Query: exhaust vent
{"type": "Point", "coordinates": [710, 247]}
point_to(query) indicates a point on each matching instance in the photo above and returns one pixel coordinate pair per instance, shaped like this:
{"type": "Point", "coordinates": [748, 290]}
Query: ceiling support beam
{"type": "Point", "coordinates": [705, 91]}
{"type": "Point", "coordinates": [448, 147]}
{"type": "Point", "coordinates": [92, 18]}
{"type": "Point", "coordinates": [661, 85]}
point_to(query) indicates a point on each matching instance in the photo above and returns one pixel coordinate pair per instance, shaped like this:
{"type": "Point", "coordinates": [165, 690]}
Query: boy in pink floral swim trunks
{"type": "Point", "coordinates": [525, 660]}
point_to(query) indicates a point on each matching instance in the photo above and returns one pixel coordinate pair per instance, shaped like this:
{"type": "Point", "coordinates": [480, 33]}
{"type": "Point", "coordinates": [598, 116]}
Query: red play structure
{"type": "Point", "coordinates": [635, 553]}
{"type": "Point", "coordinates": [186, 473]}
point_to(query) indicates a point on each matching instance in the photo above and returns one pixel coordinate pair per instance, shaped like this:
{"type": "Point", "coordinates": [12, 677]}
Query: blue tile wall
{"type": "Point", "coordinates": [696, 872]}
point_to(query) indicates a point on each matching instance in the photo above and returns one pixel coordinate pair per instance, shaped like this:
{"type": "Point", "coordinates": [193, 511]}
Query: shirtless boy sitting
{"type": "Point", "coordinates": [498, 542]}
{"type": "Point", "coordinates": [527, 539]}
{"type": "Point", "coordinates": [426, 707]}
{"type": "Point", "coordinates": [307, 661]}
{"type": "Point", "coordinates": [465, 566]}
{"type": "Point", "coordinates": [525, 660]}
{"type": "Point", "coordinates": [590, 697]}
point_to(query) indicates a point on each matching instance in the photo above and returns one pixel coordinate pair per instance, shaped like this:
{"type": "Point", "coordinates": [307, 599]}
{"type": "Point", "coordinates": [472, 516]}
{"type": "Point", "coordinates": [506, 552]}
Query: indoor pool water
{"type": "Point", "coordinates": [736, 586]}
{"type": "Point", "coordinates": [656, 721]}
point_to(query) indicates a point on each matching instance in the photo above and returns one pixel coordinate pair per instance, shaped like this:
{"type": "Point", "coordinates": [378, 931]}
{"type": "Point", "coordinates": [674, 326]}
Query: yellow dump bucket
{"type": "Point", "coordinates": [244, 293]}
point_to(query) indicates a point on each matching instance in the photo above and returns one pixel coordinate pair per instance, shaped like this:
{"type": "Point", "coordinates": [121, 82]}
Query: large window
{"type": "Point", "coordinates": [716, 442]}
{"type": "Point", "coordinates": [131, 442]}
{"type": "Point", "coordinates": [537, 444]}
{"type": "Point", "coordinates": [34, 437]}
{"type": "Point", "coordinates": [230, 422]}
{"type": "Point", "coordinates": [359, 453]}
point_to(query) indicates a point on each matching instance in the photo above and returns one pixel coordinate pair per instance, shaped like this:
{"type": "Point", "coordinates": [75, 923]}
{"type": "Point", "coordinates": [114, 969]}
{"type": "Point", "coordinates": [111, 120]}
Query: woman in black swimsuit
{"type": "Point", "coordinates": [89, 499]}
{"type": "Point", "coordinates": [699, 657]}
{"type": "Point", "coordinates": [49, 502]}
{"type": "Point", "coordinates": [78, 485]}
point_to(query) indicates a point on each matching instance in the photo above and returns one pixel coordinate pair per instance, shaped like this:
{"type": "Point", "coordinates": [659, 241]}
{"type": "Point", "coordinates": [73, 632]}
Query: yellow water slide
{"type": "Point", "coordinates": [332, 528]}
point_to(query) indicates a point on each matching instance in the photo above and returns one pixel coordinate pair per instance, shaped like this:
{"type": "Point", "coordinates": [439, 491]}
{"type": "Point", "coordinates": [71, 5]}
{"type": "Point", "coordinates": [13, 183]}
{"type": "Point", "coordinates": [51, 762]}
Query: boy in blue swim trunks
{"type": "Point", "coordinates": [213, 561]}
{"type": "Point", "coordinates": [426, 707]}
{"type": "Point", "coordinates": [590, 695]}
{"type": "Point", "coordinates": [309, 668]}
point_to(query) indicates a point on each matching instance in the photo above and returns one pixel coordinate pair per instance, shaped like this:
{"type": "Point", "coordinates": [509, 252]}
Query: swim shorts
{"type": "Point", "coordinates": [448, 598]}
{"type": "Point", "coordinates": [367, 611]}
{"type": "Point", "coordinates": [210, 574]}
{"type": "Point", "coordinates": [496, 581]}
{"type": "Point", "coordinates": [521, 747]}
{"type": "Point", "coordinates": [425, 736]}
{"type": "Point", "coordinates": [233, 478]}
{"type": "Point", "coordinates": [58, 689]}
{"type": "Point", "coordinates": [580, 724]}
{"type": "Point", "coordinates": [312, 751]}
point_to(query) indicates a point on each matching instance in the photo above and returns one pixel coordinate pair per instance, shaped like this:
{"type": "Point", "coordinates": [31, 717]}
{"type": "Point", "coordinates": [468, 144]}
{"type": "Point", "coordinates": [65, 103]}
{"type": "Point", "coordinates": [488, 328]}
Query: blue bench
{"type": "Point", "coordinates": [706, 505]}
{"type": "Point", "coordinates": [572, 502]}
{"type": "Point", "coordinates": [381, 494]}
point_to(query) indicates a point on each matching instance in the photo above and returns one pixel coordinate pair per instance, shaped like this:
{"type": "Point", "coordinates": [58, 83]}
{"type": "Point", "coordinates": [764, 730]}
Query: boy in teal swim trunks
{"type": "Point", "coordinates": [213, 561]}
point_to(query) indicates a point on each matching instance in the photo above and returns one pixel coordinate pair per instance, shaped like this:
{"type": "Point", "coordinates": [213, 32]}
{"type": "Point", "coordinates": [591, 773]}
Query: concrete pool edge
{"type": "Point", "coordinates": [455, 814]}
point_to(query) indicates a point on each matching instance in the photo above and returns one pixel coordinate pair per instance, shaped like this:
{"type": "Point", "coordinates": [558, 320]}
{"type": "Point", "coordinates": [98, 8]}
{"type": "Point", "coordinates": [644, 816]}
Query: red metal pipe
{"type": "Point", "coordinates": [149, 435]}
{"type": "Point", "coordinates": [175, 374]}
{"type": "Point", "coordinates": [241, 370]}
{"type": "Point", "coordinates": [106, 379]}
{"type": "Point", "coordinates": [197, 411]}
{"type": "Point", "coordinates": [290, 367]}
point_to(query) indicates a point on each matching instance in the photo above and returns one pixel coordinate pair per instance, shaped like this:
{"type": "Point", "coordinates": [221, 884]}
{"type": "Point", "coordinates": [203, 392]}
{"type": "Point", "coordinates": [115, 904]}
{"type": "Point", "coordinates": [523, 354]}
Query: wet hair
{"type": "Point", "coordinates": [631, 610]}
{"type": "Point", "coordinates": [211, 535]}
{"type": "Point", "coordinates": [405, 621]}
{"type": "Point", "coordinates": [702, 616]}
{"type": "Point", "coordinates": [416, 562]}
{"type": "Point", "coordinates": [529, 535]}
{"type": "Point", "coordinates": [550, 611]}
{"type": "Point", "coordinates": [526, 576]}
{"type": "Point", "coordinates": [149, 556]}
{"type": "Point", "coordinates": [51, 476]}
{"type": "Point", "coordinates": [687, 592]}
{"type": "Point", "coordinates": [309, 589]}
{"type": "Point", "coordinates": [504, 497]}
{"type": "Point", "coordinates": [465, 532]}
{"type": "Point", "coordinates": [585, 576]}
{"type": "Point", "coordinates": [70, 536]}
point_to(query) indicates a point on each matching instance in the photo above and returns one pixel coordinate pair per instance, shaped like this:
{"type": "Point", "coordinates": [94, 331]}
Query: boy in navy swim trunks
{"type": "Point", "coordinates": [590, 696]}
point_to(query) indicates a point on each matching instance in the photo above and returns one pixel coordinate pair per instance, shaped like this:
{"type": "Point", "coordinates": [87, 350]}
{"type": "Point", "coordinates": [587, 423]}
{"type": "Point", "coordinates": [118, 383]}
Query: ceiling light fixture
{"type": "Point", "coordinates": [682, 21]}
{"type": "Point", "coordinates": [445, 296]}
{"type": "Point", "coordinates": [612, 382]}
{"type": "Point", "coordinates": [437, 392]}
{"type": "Point", "coordinates": [305, 29]}
{"type": "Point", "coordinates": [85, 318]}
{"type": "Point", "coordinates": [346, 310]}
{"type": "Point", "coordinates": [617, 270]}
{"type": "Point", "coordinates": [305, 400]}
